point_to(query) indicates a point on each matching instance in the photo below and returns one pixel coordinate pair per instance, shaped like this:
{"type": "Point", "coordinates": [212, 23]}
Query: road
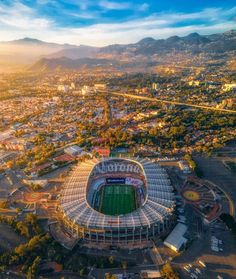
{"type": "Point", "coordinates": [155, 256]}
{"type": "Point", "coordinates": [231, 203]}
{"type": "Point", "coordinates": [16, 181]}
{"type": "Point", "coordinates": [132, 96]}
{"type": "Point", "coordinates": [223, 179]}
{"type": "Point", "coordinates": [100, 273]}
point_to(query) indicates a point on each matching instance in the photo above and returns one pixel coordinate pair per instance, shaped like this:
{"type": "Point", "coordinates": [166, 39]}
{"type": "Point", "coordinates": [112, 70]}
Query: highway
{"type": "Point", "coordinates": [132, 96]}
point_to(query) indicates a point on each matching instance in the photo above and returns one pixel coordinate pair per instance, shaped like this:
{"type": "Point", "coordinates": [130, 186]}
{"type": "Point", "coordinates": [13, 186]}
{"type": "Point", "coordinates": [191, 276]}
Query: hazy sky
{"type": "Point", "coordinates": [103, 22]}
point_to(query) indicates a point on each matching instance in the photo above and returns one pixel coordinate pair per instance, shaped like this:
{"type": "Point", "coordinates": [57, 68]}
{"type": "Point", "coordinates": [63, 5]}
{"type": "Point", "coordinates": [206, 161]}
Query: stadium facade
{"type": "Point", "coordinates": [117, 201]}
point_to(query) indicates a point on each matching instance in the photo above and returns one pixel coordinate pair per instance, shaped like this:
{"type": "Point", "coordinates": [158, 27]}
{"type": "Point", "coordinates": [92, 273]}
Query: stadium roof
{"type": "Point", "coordinates": [176, 238]}
{"type": "Point", "coordinates": [158, 205]}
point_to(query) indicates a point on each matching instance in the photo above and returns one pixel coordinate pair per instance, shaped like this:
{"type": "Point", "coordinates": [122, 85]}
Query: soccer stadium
{"type": "Point", "coordinates": [117, 201]}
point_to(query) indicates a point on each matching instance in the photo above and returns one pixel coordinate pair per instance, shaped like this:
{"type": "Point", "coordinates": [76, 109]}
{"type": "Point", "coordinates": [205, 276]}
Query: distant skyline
{"type": "Point", "coordinates": [105, 22]}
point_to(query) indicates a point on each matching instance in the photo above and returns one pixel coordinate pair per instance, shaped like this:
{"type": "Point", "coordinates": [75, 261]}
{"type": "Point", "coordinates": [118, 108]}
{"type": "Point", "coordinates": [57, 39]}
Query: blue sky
{"type": "Point", "coordinates": [103, 22]}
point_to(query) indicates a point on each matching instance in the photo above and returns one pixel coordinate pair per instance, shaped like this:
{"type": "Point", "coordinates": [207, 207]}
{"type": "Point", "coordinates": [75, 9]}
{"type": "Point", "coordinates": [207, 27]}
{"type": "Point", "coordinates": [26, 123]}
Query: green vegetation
{"type": "Point", "coordinates": [39, 155]}
{"type": "Point", "coordinates": [28, 228]}
{"type": "Point", "coordinates": [180, 125]}
{"type": "Point", "coordinates": [27, 255]}
{"type": "Point", "coordinates": [42, 247]}
{"type": "Point", "coordinates": [33, 270]}
{"type": "Point", "coordinates": [193, 165]}
{"type": "Point", "coordinates": [168, 272]}
{"type": "Point", "coordinates": [34, 186]}
{"type": "Point", "coordinates": [117, 199]}
{"type": "Point", "coordinates": [190, 161]}
{"type": "Point", "coordinates": [116, 137]}
{"type": "Point", "coordinates": [110, 276]}
{"type": "Point", "coordinates": [4, 204]}
{"type": "Point", "coordinates": [112, 137]}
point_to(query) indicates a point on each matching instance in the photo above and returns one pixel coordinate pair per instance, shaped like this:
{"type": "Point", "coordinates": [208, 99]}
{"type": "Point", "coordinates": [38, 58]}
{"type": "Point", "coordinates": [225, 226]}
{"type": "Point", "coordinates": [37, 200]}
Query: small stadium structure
{"type": "Point", "coordinates": [117, 201]}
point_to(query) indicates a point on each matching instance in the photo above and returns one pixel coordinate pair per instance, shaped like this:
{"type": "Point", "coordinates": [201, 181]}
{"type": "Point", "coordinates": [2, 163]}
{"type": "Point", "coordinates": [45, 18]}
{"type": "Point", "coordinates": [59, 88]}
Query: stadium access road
{"type": "Point", "coordinates": [214, 170]}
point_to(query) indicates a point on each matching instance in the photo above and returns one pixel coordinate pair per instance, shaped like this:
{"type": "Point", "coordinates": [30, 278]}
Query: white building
{"type": "Point", "coordinates": [63, 88]}
{"type": "Point", "coordinates": [86, 90]}
{"type": "Point", "coordinates": [176, 239]}
{"type": "Point", "coordinates": [100, 86]}
{"type": "Point", "coordinates": [73, 150]}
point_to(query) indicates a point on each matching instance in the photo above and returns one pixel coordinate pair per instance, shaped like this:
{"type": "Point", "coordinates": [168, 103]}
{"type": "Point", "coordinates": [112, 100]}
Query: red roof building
{"type": "Point", "coordinates": [105, 152]}
{"type": "Point", "coordinates": [64, 158]}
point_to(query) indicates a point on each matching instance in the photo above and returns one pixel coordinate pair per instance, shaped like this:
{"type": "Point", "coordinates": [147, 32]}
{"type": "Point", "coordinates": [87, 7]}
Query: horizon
{"type": "Point", "coordinates": [112, 22]}
{"type": "Point", "coordinates": [52, 42]}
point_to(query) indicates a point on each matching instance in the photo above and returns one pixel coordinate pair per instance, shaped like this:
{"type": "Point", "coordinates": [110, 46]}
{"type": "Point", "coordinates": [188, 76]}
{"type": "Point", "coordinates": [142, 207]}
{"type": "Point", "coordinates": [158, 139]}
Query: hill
{"type": "Point", "coordinates": [26, 51]}
{"type": "Point", "coordinates": [65, 63]}
{"type": "Point", "coordinates": [30, 51]}
{"type": "Point", "coordinates": [138, 55]}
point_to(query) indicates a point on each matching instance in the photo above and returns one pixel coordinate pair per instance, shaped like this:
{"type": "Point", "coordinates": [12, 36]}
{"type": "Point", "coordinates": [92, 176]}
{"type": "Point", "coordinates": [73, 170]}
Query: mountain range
{"type": "Point", "coordinates": [37, 55]}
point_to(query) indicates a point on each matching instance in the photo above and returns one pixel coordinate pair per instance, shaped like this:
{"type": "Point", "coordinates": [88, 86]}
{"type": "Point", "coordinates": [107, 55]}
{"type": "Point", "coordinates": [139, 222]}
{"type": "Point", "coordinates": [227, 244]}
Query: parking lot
{"type": "Point", "coordinates": [220, 259]}
{"type": "Point", "coordinates": [212, 244]}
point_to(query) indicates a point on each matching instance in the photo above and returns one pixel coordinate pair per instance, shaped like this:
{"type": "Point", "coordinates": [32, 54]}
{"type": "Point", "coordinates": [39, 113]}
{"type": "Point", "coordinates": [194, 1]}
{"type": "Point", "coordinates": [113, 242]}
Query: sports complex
{"type": "Point", "coordinates": [117, 201]}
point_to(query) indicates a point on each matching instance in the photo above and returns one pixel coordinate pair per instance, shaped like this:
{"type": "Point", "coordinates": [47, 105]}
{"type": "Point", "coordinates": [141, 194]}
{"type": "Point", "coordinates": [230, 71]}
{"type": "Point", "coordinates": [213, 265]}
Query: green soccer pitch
{"type": "Point", "coordinates": [117, 199]}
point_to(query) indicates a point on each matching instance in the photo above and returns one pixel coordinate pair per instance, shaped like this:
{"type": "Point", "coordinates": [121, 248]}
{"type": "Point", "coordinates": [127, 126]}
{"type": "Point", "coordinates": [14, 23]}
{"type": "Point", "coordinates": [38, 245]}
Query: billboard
{"type": "Point", "coordinates": [115, 180]}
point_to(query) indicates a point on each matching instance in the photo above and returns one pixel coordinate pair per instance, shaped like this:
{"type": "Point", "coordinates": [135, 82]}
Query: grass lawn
{"type": "Point", "coordinates": [117, 199]}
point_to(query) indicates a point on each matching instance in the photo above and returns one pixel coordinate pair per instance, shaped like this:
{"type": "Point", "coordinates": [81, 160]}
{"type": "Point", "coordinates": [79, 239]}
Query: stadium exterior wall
{"type": "Point", "coordinates": [121, 236]}
{"type": "Point", "coordinates": [156, 216]}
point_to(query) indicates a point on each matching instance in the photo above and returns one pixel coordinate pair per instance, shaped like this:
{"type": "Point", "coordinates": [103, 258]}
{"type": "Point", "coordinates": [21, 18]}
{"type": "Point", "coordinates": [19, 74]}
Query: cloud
{"type": "Point", "coordinates": [110, 5]}
{"type": "Point", "coordinates": [143, 7]}
{"type": "Point", "coordinates": [22, 21]}
{"type": "Point", "coordinates": [20, 16]}
{"type": "Point", "coordinates": [85, 15]}
{"type": "Point", "coordinates": [101, 35]}
{"type": "Point", "coordinates": [42, 2]}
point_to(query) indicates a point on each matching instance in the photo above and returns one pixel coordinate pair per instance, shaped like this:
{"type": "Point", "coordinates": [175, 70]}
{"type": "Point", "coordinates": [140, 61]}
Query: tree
{"type": "Point", "coordinates": [22, 228]}
{"type": "Point", "coordinates": [3, 204]}
{"type": "Point", "coordinates": [190, 161]}
{"type": "Point", "coordinates": [124, 265]}
{"type": "Point", "coordinates": [10, 164]}
{"type": "Point", "coordinates": [21, 250]}
{"type": "Point", "coordinates": [111, 260]}
{"type": "Point", "coordinates": [31, 218]}
{"type": "Point", "coordinates": [35, 267]}
{"type": "Point", "coordinates": [168, 272]}
{"type": "Point", "coordinates": [82, 271]}
{"type": "Point", "coordinates": [19, 210]}
{"type": "Point", "coordinates": [29, 274]}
